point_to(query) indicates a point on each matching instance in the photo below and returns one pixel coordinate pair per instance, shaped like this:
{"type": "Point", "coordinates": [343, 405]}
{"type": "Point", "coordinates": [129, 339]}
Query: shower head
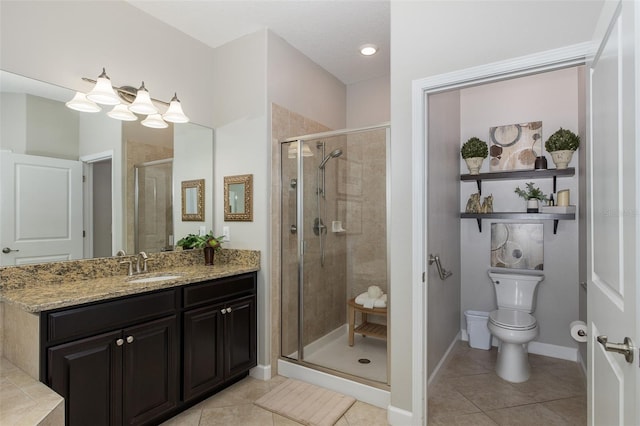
{"type": "Point", "coordinates": [333, 154]}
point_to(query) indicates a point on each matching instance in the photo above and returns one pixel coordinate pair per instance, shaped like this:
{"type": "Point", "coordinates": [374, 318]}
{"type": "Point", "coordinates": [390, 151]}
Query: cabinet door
{"type": "Point", "coordinates": [203, 354]}
{"type": "Point", "coordinates": [150, 370]}
{"type": "Point", "coordinates": [88, 374]}
{"type": "Point", "coordinates": [240, 336]}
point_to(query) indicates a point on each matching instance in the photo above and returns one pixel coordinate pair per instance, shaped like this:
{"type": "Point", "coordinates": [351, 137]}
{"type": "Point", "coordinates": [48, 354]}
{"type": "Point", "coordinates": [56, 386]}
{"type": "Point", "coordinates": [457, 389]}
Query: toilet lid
{"type": "Point", "coordinates": [515, 320]}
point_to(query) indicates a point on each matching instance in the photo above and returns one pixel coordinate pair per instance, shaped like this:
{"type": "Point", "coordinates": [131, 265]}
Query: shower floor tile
{"type": "Point", "coordinates": [336, 354]}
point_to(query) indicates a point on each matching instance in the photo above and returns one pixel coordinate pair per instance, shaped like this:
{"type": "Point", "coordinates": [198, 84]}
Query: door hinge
{"type": "Point", "coordinates": [84, 234]}
{"type": "Point", "coordinates": [423, 277]}
{"type": "Point", "coordinates": [84, 178]}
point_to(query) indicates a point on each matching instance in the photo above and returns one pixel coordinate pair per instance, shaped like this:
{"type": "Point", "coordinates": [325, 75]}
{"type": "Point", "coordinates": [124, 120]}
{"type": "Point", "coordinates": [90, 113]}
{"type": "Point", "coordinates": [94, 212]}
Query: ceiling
{"type": "Point", "coordinates": [329, 32]}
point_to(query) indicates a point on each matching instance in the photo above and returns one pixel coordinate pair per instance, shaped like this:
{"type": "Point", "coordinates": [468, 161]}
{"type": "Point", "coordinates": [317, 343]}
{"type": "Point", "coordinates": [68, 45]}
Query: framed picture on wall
{"type": "Point", "coordinates": [515, 146]}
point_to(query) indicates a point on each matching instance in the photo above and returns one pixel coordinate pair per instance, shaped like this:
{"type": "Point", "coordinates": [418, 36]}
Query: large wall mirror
{"type": "Point", "coordinates": [238, 198]}
{"type": "Point", "coordinates": [133, 173]}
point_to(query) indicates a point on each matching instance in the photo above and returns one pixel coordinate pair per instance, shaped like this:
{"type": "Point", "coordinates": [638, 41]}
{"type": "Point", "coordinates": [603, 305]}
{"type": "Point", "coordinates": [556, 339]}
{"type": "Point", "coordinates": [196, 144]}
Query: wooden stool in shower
{"type": "Point", "coordinates": [365, 328]}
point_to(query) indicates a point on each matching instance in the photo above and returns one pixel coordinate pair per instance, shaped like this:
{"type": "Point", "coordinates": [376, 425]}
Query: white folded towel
{"type": "Point", "coordinates": [368, 302]}
{"type": "Point", "coordinates": [374, 292]}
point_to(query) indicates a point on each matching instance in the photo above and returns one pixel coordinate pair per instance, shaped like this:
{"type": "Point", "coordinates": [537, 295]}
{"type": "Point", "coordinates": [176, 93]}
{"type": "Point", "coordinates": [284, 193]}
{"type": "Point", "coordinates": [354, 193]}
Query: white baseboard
{"type": "Point", "coordinates": [553, 351]}
{"type": "Point", "coordinates": [582, 363]}
{"type": "Point", "coordinates": [261, 372]}
{"type": "Point", "coordinates": [399, 417]}
{"type": "Point", "coordinates": [538, 348]}
{"type": "Point", "coordinates": [436, 370]}
{"type": "Point", "coordinates": [370, 395]}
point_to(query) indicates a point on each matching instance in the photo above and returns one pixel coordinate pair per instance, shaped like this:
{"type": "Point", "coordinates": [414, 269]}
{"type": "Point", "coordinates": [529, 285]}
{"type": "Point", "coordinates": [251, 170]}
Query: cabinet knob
{"type": "Point", "coordinates": [129, 339]}
{"type": "Point", "coordinates": [223, 311]}
{"type": "Point", "coordinates": [119, 342]}
{"type": "Point", "coordinates": [228, 310]}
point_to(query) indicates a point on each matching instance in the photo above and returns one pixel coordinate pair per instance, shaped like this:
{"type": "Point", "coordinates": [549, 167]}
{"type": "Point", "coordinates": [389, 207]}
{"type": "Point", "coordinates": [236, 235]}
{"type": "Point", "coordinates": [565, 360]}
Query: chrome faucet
{"type": "Point", "coordinates": [142, 259]}
{"type": "Point", "coordinates": [121, 253]}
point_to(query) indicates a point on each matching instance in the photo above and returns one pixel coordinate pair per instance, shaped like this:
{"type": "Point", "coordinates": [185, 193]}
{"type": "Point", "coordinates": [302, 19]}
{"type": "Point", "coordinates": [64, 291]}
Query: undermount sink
{"type": "Point", "coordinates": [154, 278]}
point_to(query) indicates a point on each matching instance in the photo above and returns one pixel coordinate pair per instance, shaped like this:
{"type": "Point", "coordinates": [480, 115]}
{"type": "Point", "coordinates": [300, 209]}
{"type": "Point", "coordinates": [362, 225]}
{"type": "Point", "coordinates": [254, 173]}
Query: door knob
{"type": "Point", "coordinates": [7, 250]}
{"type": "Point", "coordinates": [625, 348]}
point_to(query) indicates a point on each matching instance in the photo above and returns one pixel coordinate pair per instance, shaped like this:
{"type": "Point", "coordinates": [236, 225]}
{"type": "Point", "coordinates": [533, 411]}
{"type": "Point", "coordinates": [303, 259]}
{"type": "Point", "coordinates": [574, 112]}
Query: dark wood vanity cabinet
{"type": "Point", "coordinates": [219, 333]}
{"type": "Point", "coordinates": [125, 361]}
{"type": "Point", "coordinates": [126, 376]}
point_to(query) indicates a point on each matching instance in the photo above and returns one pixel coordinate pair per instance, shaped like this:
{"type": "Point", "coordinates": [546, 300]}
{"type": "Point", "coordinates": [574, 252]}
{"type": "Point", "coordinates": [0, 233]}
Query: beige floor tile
{"type": "Point", "coordinates": [190, 417]}
{"type": "Point", "coordinates": [572, 410]}
{"type": "Point", "coordinates": [362, 414]}
{"type": "Point", "coordinates": [245, 391]}
{"type": "Point", "coordinates": [445, 401]}
{"type": "Point", "coordinates": [526, 415]}
{"type": "Point", "coordinates": [475, 419]}
{"type": "Point", "coordinates": [244, 414]}
{"type": "Point", "coordinates": [279, 420]}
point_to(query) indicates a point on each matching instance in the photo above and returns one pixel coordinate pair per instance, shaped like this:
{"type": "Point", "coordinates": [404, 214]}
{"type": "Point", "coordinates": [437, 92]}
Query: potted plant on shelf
{"type": "Point", "coordinates": [561, 145]}
{"type": "Point", "coordinates": [207, 242]}
{"type": "Point", "coordinates": [474, 151]}
{"type": "Point", "coordinates": [533, 196]}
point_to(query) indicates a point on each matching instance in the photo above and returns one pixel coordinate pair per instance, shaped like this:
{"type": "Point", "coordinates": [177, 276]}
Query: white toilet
{"type": "Point", "coordinates": [512, 323]}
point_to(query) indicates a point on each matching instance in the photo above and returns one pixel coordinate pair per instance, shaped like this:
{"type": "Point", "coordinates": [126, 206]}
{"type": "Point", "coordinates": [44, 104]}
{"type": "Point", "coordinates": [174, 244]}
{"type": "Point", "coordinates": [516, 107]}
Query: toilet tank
{"type": "Point", "coordinates": [516, 291]}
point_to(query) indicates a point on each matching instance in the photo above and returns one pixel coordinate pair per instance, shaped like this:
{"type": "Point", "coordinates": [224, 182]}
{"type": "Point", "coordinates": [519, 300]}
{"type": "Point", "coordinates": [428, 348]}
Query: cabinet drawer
{"type": "Point", "coordinates": [219, 290]}
{"type": "Point", "coordinates": [92, 319]}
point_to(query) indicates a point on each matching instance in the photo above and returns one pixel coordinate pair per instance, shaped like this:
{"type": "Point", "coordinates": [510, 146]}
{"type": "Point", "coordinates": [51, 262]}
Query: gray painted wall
{"type": "Point", "coordinates": [553, 99]}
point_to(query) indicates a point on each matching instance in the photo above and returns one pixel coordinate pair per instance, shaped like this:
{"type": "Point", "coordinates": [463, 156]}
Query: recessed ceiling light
{"type": "Point", "coordinates": [368, 49]}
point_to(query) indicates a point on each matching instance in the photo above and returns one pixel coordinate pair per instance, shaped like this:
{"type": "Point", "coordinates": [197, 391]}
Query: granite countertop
{"type": "Point", "coordinates": [67, 289]}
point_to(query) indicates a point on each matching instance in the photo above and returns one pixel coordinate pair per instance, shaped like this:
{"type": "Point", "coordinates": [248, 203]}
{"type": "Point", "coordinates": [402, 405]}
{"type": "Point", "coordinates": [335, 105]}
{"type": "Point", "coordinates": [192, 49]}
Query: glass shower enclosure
{"type": "Point", "coordinates": [153, 208]}
{"type": "Point", "coordinates": [334, 204]}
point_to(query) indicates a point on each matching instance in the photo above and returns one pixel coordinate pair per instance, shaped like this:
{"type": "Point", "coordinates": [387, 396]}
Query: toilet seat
{"type": "Point", "coordinates": [513, 320]}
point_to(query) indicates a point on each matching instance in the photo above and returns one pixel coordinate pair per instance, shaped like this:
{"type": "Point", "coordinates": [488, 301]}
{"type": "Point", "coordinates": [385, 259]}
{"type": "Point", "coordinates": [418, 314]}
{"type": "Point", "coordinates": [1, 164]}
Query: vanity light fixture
{"type": "Point", "coordinates": [121, 112]}
{"type": "Point", "coordinates": [293, 150]}
{"type": "Point", "coordinates": [154, 121]}
{"type": "Point", "coordinates": [81, 103]}
{"type": "Point", "coordinates": [368, 49]}
{"type": "Point", "coordinates": [103, 92]}
{"type": "Point", "coordinates": [174, 114]}
{"type": "Point", "coordinates": [127, 101]}
{"type": "Point", "coordinates": [142, 103]}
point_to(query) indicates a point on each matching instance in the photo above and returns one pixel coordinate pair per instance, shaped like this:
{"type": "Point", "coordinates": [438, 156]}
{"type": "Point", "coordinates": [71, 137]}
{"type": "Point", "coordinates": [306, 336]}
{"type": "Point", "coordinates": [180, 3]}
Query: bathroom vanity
{"type": "Point", "coordinates": [137, 350]}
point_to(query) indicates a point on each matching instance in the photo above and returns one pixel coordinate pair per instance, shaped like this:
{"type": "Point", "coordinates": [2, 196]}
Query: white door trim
{"type": "Point", "coordinates": [87, 188]}
{"type": "Point", "coordinates": [525, 65]}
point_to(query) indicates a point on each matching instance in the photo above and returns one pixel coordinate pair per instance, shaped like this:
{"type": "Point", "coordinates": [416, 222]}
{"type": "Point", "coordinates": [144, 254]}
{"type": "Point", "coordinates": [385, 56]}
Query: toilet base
{"type": "Point", "coordinates": [513, 362]}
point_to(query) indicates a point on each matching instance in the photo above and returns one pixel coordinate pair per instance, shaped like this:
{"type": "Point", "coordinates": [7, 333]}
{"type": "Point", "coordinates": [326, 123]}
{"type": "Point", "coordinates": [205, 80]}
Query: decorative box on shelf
{"type": "Point", "coordinates": [557, 209]}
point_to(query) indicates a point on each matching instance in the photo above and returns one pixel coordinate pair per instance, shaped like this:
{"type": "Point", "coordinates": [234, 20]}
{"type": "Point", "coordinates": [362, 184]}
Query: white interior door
{"type": "Point", "coordinates": [613, 221]}
{"type": "Point", "coordinates": [41, 214]}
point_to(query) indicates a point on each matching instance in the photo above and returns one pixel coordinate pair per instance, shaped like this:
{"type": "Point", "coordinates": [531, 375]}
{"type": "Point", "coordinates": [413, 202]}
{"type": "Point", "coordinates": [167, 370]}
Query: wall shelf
{"type": "Point", "coordinates": [519, 174]}
{"type": "Point", "coordinates": [519, 216]}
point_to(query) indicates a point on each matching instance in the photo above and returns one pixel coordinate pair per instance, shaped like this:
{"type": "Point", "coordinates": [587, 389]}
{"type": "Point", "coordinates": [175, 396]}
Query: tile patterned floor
{"type": "Point", "coordinates": [468, 392]}
{"type": "Point", "coordinates": [234, 406]}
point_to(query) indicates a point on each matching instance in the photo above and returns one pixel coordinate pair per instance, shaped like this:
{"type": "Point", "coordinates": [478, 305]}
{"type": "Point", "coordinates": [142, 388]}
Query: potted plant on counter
{"type": "Point", "coordinates": [473, 152]}
{"type": "Point", "coordinates": [561, 145]}
{"type": "Point", "coordinates": [207, 242]}
{"type": "Point", "coordinates": [533, 195]}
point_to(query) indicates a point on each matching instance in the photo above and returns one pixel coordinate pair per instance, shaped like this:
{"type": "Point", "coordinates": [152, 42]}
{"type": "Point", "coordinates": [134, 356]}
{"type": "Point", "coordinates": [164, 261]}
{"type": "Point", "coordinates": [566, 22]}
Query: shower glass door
{"type": "Point", "coordinates": [334, 246]}
{"type": "Point", "coordinates": [153, 206]}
